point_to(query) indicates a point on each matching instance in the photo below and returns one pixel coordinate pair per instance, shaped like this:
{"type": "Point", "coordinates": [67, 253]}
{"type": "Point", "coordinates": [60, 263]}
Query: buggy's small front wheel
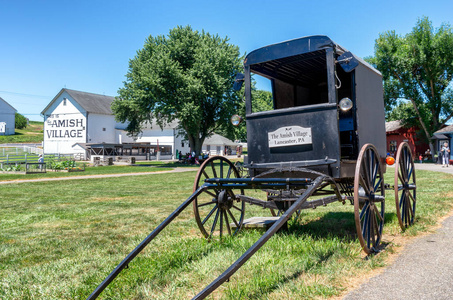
{"type": "Point", "coordinates": [217, 211]}
{"type": "Point", "coordinates": [405, 186]}
{"type": "Point", "coordinates": [369, 199]}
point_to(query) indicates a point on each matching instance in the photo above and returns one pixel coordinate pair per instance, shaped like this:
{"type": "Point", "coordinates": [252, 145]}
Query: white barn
{"type": "Point", "coordinates": [83, 124]}
{"type": "Point", "coordinates": [75, 120]}
{"type": "Point", "coordinates": [7, 118]}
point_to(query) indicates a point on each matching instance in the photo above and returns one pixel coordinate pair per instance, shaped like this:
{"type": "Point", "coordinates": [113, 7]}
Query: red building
{"type": "Point", "coordinates": [396, 134]}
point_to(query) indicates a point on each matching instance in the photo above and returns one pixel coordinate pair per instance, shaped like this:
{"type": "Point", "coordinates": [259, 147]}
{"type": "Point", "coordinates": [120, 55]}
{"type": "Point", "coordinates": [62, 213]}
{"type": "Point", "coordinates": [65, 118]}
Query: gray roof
{"type": "Point", "coordinates": [92, 103]}
{"type": "Point", "coordinates": [392, 126]}
{"type": "Point", "coordinates": [446, 129]}
{"type": "Point", "coordinates": [7, 103]}
{"type": "Point", "coordinates": [216, 139]}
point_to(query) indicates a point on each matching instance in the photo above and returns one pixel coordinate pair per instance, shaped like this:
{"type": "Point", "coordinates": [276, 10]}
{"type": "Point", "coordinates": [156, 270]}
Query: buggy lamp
{"type": "Point", "coordinates": [345, 104]}
{"type": "Point", "coordinates": [236, 120]}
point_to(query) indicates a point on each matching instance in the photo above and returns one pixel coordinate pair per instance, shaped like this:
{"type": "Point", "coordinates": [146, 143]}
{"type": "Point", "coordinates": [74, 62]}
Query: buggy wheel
{"type": "Point", "coordinates": [218, 212]}
{"type": "Point", "coordinates": [405, 187]}
{"type": "Point", "coordinates": [369, 201]}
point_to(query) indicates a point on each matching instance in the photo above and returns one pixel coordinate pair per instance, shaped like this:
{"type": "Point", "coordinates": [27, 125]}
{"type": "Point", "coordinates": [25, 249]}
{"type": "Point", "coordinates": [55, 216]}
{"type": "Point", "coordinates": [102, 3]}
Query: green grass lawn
{"type": "Point", "coordinates": [33, 133]}
{"type": "Point", "coordinates": [59, 240]}
{"type": "Point", "coordinates": [116, 169]}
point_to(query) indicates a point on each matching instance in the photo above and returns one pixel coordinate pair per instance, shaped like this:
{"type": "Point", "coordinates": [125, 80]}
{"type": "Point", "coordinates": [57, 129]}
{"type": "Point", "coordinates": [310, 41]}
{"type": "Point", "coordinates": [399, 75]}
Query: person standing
{"type": "Point", "coordinates": [445, 155]}
{"type": "Point", "coordinates": [40, 161]}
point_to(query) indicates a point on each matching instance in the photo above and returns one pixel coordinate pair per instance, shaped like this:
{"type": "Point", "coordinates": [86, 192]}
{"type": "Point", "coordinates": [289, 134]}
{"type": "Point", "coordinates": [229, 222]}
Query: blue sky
{"type": "Point", "coordinates": [86, 45]}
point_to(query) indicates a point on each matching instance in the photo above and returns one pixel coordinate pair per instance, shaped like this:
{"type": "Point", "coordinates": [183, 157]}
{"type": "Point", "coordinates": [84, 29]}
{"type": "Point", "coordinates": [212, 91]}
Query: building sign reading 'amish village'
{"type": "Point", "coordinates": [290, 136]}
{"type": "Point", "coordinates": [62, 128]}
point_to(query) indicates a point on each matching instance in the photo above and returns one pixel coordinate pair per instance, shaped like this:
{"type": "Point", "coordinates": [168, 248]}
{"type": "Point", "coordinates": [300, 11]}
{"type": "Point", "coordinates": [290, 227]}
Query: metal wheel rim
{"type": "Point", "coordinates": [368, 181]}
{"type": "Point", "coordinates": [219, 216]}
{"type": "Point", "coordinates": [405, 198]}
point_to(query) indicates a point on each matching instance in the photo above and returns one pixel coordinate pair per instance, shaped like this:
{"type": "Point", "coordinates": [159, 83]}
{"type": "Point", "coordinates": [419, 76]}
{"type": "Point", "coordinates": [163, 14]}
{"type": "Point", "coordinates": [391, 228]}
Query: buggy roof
{"type": "Point", "coordinates": [293, 52]}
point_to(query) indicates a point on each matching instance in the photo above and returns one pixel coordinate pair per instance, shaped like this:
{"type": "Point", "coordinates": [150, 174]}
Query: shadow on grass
{"type": "Point", "coordinates": [332, 224]}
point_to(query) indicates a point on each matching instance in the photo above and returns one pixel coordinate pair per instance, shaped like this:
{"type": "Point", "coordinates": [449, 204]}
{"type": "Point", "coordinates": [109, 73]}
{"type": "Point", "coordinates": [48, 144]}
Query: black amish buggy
{"type": "Point", "coordinates": [324, 137]}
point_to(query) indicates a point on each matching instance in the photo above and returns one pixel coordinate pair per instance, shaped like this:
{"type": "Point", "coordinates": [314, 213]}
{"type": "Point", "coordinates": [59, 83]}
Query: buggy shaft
{"type": "Point", "coordinates": [143, 244]}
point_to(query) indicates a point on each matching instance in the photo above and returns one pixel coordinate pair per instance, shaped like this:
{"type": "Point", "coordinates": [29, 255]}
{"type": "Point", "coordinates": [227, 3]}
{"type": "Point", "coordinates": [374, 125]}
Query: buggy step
{"type": "Point", "coordinates": [258, 222]}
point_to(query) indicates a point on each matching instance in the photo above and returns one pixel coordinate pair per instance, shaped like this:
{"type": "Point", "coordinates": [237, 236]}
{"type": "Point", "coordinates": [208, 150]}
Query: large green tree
{"type": "Point", "coordinates": [187, 76]}
{"type": "Point", "coordinates": [418, 67]}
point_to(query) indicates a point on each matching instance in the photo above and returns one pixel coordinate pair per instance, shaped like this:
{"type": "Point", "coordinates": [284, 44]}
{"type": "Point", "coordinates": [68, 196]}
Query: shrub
{"type": "Point", "coordinates": [20, 121]}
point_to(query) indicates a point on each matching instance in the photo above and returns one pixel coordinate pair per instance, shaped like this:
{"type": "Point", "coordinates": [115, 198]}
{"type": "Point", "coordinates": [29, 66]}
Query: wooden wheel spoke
{"type": "Point", "coordinates": [412, 197]}
{"type": "Point", "coordinates": [364, 209]}
{"type": "Point", "coordinates": [215, 222]}
{"type": "Point", "coordinates": [379, 215]}
{"type": "Point", "coordinates": [205, 174]}
{"type": "Point", "coordinates": [377, 185]}
{"type": "Point", "coordinates": [409, 175]}
{"type": "Point", "coordinates": [214, 172]}
{"type": "Point", "coordinates": [209, 215]}
{"type": "Point", "coordinates": [411, 210]}
{"type": "Point", "coordinates": [366, 172]}
{"type": "Point", "coordinates": [211, 193]}
{"type": "Point", "coordinates": [365, 221]}
{"type": "Point", "coordinates": [221, 222]}
{"type": "Point", "coordinates": [373, 229]}
{"type": "Point", "coordinates": [233, 218]}
{"type": "Point", "coordinates": [402, 198]}
{"type": "Point", "coordinates": [374, 168]}
{"type": "Point", "coordinates": [227, 222]}
{"type": "Point", "coordinates": [364, 185]}
{"type": "Point", "coordinates": [400, 177]}
{"type": "Point", "coordinates": [221, 170]}
{"type": "Point", "coordinates": [229, 172]}
{"type": "Point", "coordinates": [368, 235]}
{"type": "Point", "coordinates": [377, 227]}
{"type": "Point", "coordinates": [207, 203]}
{"type": "Point", "coordinates": [237, 208]}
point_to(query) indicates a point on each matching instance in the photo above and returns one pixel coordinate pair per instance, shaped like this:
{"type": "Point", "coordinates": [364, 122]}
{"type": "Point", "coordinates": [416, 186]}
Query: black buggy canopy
{"type": "Point", "coordinates": [288, 56]}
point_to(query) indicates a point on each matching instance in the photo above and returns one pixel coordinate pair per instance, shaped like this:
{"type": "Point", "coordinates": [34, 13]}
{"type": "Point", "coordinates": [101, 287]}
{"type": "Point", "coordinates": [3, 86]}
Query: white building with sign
{"type": "Point", "coordinates": [83, 124]}
{"type": "Point", "coordinates": [7, 118]}
{"type": "Point", "coordinates": [74, 120]}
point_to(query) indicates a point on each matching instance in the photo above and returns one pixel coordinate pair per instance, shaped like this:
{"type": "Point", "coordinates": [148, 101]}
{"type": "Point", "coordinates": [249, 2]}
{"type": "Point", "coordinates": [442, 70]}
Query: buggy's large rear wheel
{"type": "Point", "coordinates": [217, 210]}
{"type": "Point", "coordinates": [369, 200]}
{"type": "Point", "coordinates": [405, 186]}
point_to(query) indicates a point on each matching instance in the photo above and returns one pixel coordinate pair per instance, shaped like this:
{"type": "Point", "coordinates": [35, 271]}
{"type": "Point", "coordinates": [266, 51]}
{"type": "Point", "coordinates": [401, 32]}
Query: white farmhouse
{"type": "Point", "coordinates": [7, 118]}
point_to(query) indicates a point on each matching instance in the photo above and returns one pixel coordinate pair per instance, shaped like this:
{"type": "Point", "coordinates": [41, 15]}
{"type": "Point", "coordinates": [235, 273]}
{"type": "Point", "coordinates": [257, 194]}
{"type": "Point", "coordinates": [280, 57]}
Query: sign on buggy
{"type": "Point", "coordinates": [289, 136]}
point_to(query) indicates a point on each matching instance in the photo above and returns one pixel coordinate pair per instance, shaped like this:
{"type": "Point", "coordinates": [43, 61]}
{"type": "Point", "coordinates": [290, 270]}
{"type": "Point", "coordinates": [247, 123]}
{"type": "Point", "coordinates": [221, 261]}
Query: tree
{"type": "Point", "coordinates": [20, 121]}
{"type": "Point", "coordinates": [187, 76]}
{"type": "Point", "coordinates": [418, 67]}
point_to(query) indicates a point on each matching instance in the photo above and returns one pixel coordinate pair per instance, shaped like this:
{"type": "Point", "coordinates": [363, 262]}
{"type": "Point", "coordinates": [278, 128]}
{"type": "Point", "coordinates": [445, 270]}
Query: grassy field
{"type": "Point", "coordinates": [59, 240]}
{"type": "Point", "coordinates": [140, 167]}
{"type": "Point", "coordinates": [33, 133]}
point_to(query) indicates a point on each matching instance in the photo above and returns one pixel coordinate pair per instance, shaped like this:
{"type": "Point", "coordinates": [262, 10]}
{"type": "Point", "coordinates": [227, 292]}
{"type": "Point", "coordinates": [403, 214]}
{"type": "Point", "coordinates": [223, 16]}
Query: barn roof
{"type": "Point", "coordinates": [446, 129]}
{"type": "Point", "coordinates": [393, 126]}
{"type": "Point", "coordinates": [216, 139]}
{"type": "Point", "coordinates": [92, 103]}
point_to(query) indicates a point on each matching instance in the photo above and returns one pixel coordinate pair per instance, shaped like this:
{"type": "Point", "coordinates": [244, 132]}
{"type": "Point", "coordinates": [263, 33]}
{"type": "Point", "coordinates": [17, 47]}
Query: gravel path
{"type": "Point", "coordinates": [423, 270]}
